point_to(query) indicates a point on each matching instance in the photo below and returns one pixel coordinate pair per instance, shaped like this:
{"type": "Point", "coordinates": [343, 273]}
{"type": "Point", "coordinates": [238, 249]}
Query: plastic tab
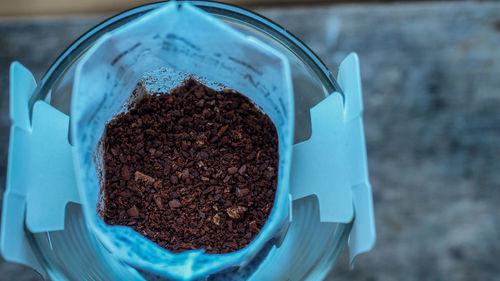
{"type": "Point", "coordinates": [14, 243]}
{"type": "Point", "coordinates": [22, 85]}
{"type": "Point", "coordinates": [332, 164]}
{"type": "Point", "coordinates": [363, 235]}
{"type": "Point", "coordinates": [52, 181]}
{"type": "Point", "coordinates": [40, 175]}
{"type": "Point", "coordinates": [319, 164]}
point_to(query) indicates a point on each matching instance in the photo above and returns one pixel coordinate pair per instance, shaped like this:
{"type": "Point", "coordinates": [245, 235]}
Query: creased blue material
{"type": "Point", "coordinates": [162, 47]}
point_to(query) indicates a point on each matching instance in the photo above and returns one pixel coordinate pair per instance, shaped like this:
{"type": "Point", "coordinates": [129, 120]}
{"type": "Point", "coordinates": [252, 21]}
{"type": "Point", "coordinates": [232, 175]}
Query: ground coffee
{"type": "Point", "coordinates": [196, 168]}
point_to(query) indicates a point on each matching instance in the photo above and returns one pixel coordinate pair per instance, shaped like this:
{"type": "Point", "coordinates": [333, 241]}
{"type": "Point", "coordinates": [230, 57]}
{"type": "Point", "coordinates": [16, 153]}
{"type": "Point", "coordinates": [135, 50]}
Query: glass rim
{"type": "Point", "coordinates": [221, 10]}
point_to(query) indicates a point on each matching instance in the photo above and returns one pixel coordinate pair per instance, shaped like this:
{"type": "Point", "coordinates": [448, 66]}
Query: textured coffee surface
{"type": "Point", "coordinates": [192, 169]}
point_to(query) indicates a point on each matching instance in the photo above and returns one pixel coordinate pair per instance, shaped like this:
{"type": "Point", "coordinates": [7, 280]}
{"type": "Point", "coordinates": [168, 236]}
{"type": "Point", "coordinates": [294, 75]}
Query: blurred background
{"type": "Point", "coordinates": [431, 82]}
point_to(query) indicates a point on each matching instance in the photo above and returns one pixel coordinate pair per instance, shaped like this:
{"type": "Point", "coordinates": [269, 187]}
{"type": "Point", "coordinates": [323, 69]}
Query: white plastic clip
{"type": "Point", "coordinates": [14, 243]}
{"type": "Point", "coordinates": [332, 164]}
{"type": "Point", "coordinates": [319, 164]}
{"type": "Point", "coordinates": [40, 176]}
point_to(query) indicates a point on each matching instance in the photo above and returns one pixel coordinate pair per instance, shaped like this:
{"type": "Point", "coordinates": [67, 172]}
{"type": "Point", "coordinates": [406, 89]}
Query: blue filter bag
{"type": "Point", "coordinates": [163, 47]}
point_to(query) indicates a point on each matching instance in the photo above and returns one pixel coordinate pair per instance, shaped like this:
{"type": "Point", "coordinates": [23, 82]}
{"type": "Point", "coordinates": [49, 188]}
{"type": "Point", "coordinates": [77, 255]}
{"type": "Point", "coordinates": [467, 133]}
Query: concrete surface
{"type": "Point", "coordinates": [431, 80]}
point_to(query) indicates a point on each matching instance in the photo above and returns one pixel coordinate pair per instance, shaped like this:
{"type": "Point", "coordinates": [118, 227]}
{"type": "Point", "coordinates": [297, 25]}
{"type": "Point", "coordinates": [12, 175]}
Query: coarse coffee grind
{"type": "Point", "coordinates": [192, 169]}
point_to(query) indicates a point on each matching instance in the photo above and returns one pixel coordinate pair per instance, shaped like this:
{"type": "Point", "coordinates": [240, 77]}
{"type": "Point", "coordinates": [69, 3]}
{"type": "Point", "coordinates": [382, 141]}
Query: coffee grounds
{"type": "Point", "coordinates": [193, 169]}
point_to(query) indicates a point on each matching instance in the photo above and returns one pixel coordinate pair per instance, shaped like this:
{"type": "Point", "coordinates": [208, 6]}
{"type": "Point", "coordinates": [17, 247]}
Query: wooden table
{"type": "Point", "coordinates": [431, 80]}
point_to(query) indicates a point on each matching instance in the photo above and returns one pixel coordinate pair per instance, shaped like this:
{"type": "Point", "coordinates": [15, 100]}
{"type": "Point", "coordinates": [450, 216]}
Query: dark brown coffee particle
{"type": "Point", "coordinates": [173, 179]}
{"type": "Point", "coordinates": [174, 203]}
{"type": "Point", "coordinates": [235, 212]}
{"type": "Point", "coordinates": [216, 219]}
{"type": "Point", "coordinates": [140, 176]}
{"type": "Point", "coordinates": [159, 202]}
{"type": "Point", "coordinates": [242, 192]}
{"type": "Point", "coordinates": [232, 170]}
{"type": "Point", "coordinates": [242, 169]}
{"type": "Point", "coordinates": [133, 212]}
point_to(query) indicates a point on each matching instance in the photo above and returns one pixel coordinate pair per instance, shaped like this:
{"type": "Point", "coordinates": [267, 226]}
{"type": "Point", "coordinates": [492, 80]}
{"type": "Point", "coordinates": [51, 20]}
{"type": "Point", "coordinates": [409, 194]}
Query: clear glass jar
{"type": "Point", "coordinates": [75, 254]}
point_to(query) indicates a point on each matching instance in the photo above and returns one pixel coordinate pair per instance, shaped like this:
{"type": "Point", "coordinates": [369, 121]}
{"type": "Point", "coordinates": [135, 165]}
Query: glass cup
{"type": "Point", "coordinates": [75, 254]}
